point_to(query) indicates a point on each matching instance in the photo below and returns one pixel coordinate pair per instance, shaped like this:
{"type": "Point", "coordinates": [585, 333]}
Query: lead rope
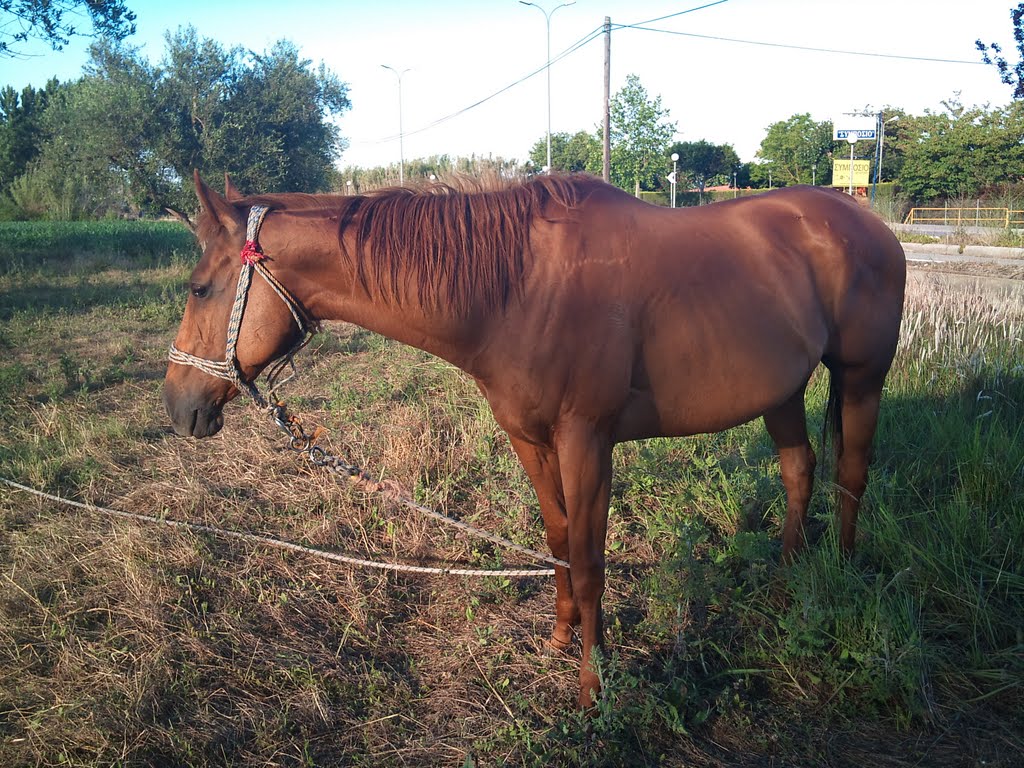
{"type": "Point", "coordinates": [257, 538]}
{"type": "Point", "coordinates": [303, 444]}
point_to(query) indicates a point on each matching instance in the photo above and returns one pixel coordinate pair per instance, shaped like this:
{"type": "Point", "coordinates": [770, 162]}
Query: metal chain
{"type": "Point", "coordinates": [304, 444]}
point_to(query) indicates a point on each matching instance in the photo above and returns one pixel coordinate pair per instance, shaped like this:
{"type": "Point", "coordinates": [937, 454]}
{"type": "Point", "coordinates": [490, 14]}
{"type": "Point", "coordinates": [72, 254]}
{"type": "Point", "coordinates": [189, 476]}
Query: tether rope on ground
{"type": "Point", "coordinates": [256, 538]}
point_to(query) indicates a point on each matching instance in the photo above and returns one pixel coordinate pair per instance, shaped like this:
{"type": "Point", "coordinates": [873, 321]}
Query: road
{"type": "Point", "coordinates": [977, 254]}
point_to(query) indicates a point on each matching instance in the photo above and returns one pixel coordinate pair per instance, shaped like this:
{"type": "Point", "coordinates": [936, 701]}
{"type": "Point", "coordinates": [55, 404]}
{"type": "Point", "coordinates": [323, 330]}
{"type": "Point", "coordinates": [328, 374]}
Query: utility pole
{"type": "Point", "coordinates": [878, 160]}
{"type": "Point", "coordinates": [401, 138]}
{"type": "Point", "coordinates": [607, 165]}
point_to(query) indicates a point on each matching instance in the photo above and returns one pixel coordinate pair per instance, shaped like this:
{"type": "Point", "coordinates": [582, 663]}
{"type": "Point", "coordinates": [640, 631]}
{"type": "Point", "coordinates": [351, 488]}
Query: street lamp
{"type": "Point", "coordinates": [547, 66]}
{"type": "Point", "coordinates": [675, 159]}
{"type": "Point", "coordinates": [401, 147]}
{"type": "Point", "coordinates": [852, 139]}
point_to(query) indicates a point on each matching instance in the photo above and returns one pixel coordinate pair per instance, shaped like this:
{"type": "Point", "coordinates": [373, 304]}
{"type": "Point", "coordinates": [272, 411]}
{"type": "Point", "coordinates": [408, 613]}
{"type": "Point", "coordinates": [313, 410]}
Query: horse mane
{"type": "Point", "coordinates": [452, 248]}
{"type": "Point", "coordinates": [447, 246]}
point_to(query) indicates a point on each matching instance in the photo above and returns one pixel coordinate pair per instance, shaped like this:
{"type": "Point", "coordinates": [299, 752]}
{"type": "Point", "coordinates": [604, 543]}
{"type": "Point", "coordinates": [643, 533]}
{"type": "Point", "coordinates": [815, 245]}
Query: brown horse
{"type": "Point", "coordinates": [586, 318]}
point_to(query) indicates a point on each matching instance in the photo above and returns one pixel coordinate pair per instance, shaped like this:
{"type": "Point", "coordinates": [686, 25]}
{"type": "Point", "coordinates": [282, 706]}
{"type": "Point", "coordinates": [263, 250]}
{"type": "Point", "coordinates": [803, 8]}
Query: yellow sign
{"type": "Point", "coordinates": [841, 173]}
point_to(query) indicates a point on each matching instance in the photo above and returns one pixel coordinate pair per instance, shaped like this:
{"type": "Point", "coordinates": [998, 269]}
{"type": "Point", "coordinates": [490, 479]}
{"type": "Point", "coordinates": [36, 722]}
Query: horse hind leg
{"type": "Point", "coordinates": [854, 400]}
{"type": "Point", "coordinates": [787, 425]}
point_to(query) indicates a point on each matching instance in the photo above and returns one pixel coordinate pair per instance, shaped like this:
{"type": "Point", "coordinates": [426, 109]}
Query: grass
{"type": "Point", "coordinates": [134, 645]}
{"type": "Point", "coordinates": [60, 246]}
{"type": "Point", "coordinates": [963, 237]}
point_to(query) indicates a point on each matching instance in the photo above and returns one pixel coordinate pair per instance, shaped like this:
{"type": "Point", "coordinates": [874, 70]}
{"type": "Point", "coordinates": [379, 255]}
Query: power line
{"type": "Point", "coordinates": [672, 15]}
{"type": "Point", "coordinates": [717, 38]}
{"type": "Point", "coordinates": [587, 38]}
{"type": "Point", "coordinates": [642, 27]}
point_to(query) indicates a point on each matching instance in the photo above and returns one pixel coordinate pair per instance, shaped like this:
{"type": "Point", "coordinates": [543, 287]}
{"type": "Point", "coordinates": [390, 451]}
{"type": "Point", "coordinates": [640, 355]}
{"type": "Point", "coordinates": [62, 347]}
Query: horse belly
{"type": "Point", "coordinates": [693, 387]}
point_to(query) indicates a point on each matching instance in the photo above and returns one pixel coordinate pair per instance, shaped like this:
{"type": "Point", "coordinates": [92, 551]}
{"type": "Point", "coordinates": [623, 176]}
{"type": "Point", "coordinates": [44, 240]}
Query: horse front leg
{"type": "Point", "coordinates": [541, 465]}
{"type": "Point", "coordinates": [585, 461]}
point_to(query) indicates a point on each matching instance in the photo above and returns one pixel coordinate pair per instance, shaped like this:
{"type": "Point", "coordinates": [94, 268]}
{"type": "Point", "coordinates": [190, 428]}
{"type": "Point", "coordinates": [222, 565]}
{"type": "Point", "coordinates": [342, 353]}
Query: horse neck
{"type": "Point", "coordinates": [431, 271]}
{"type": "Point", "coordinates": [435, 327]}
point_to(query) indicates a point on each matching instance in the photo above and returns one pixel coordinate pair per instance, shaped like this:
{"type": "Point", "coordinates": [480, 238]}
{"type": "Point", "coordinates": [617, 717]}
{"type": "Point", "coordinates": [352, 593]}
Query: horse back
{"type": "Point", "coordinates": [707, 317]}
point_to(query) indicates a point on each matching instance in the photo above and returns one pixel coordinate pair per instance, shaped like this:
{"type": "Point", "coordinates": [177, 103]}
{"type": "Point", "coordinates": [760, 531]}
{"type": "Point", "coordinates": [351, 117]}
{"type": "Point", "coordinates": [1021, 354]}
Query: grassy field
{"type": "Point", "coordinates": [130, 644]}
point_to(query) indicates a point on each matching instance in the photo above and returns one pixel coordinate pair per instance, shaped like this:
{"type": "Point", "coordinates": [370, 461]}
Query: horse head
{"type": "Point", "coordinates": [213, 357]}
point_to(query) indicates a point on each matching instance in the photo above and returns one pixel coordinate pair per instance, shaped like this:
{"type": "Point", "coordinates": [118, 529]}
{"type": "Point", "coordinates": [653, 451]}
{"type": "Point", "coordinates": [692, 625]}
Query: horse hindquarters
{"type": "Point", "coordinates": [859, 357]}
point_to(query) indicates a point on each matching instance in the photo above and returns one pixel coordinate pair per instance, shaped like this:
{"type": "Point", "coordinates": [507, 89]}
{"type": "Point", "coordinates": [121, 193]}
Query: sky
{"type": "Point", "coordinates": [725, 70]}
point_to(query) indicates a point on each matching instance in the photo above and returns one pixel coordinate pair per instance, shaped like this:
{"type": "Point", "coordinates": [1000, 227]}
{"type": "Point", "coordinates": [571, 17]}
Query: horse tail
{"type": "Point", "coordinates": [832, 427]}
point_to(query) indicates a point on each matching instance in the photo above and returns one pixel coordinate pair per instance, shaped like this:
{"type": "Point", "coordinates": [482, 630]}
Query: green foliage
{"type": "Point", "coordinates": [274, 135]}
{"type": "Point", "coordinates": [792, 148]}
{"type": "Point", "coordinates": [192, 95]}
{"type": "Point", "coordinates": [640, 131]}
{"type": "Point", "coordinates": [579, 152]}
{"type": "Point", "coordinates": [110, 161]}
{"type": "Point", "coordinates": [957, 152]}
{"type": "Point", "coordinates": [991, 54]}
{"type": "Point", "coordinates": [54, 21]}
{"type": "Point", "coordinates": [262, 117]}
{"type": "Point", "coordinates": [960, 151]}
{"type": "Point", "coordinates": [702, 161]}
{"type": "Point", "coordinates": [21, 129]}
{"type": "Point", "coordinates": [34, 246]}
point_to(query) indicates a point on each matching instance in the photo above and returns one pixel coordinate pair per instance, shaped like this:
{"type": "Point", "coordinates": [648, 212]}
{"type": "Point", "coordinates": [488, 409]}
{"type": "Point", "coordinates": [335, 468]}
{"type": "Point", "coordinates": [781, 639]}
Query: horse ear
{"type": "Point", "coordinates": [183, 218]}
{"type": "Point", "coordinates": [230, 190]}
{"type": "Point", "coordinates": [216, 206]}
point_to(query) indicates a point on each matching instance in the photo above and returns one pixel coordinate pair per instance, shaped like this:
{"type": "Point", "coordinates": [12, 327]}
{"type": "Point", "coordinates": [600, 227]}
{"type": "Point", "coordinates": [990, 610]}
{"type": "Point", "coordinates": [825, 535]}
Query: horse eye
{"type": "Point", "coordinates": [199, 290]}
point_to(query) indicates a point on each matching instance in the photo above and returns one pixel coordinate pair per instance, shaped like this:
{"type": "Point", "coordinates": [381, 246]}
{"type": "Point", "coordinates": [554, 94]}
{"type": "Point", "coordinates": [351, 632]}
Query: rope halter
{"type": "Point", "coordinates": [229, 369]}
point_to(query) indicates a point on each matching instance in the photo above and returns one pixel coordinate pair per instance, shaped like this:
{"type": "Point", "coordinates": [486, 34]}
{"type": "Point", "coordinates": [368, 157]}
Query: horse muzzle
{"type": "Point", "coordinates": [193, 419]}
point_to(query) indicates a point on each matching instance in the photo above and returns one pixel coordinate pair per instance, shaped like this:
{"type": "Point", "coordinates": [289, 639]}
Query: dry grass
{"type": "Point", "coordinates": [135, 645]}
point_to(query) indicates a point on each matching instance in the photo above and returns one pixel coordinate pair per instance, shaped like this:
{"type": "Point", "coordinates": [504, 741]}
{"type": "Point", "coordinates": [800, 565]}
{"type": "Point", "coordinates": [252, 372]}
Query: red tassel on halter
{"type": "Point", "coordinates": [251, 252]}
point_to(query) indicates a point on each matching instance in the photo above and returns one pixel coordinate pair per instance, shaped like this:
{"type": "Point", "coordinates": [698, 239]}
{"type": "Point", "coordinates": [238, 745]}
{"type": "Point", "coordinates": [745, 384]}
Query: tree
{"type": "Point", "coordinates": [21, 128]}
{"type": "Point", "coordinates": [962, 152]}
{"type": "Point", "coordinates": [579, 152]}
{"type": "Point", "coordinates": [796, 150]}
{"type": "Point", "coordinates": [263, 118]}
{"type": "Point", "coordinates": [275, 135]}
{"type": "Point", "coordinates": [1012, 76]}
{"type": "Point", "coordinates": [701, 161]}
{"type": "Point", "coordinates": [193, 95]}
{"type": "Point", "coordinates": [97, 157]}
{"type": "Point", "coordinates": [53, 21]}
{"type": "Point", "coordinates": [640, 131]}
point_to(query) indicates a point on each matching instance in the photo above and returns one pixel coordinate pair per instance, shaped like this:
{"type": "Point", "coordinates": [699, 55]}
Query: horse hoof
{"type": "Point", "coordinates": [555, 647]}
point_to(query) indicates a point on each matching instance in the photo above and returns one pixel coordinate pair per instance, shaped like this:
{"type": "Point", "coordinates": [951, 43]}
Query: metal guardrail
{"type": "Point", "coordinates": [1003, 218]}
